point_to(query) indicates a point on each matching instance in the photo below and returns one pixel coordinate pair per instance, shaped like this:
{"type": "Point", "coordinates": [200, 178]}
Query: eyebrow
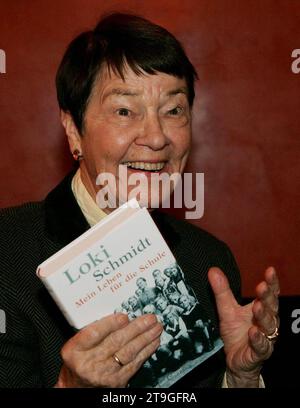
{"type": "Point", "coordinates": [128, 92]}
{"type": "Point", "coordinates": [122, 92]}
{"type": "Point", "coordinates": [178, 91]}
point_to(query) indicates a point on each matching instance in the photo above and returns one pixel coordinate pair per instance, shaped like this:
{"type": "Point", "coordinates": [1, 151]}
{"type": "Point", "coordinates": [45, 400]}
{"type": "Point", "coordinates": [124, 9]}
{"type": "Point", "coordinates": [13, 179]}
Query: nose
{"type": "Point", "coordinates": [152, 133]}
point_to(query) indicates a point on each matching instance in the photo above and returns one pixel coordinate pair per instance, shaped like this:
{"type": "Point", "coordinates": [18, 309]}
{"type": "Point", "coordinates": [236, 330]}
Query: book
{"type": "Point", "coordinates": [123, 264]}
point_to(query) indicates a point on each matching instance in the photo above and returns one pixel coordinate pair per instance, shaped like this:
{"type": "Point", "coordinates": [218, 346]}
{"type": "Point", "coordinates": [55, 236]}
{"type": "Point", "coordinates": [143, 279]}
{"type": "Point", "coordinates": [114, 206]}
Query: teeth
{"type": "Point", "coordinates": [144, 165]}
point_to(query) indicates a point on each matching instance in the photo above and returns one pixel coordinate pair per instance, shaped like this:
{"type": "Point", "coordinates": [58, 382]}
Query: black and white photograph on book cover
{"type": "Point", "coordinates": [188, 337]}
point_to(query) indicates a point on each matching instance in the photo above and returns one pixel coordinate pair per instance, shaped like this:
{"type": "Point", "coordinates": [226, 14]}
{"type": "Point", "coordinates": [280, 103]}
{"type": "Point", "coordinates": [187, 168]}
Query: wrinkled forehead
{"type": "Point", "coordinates": [160, 86]}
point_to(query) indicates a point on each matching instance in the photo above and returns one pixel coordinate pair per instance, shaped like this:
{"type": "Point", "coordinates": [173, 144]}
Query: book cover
{"type": "Point", "coordinates": [123, 264]}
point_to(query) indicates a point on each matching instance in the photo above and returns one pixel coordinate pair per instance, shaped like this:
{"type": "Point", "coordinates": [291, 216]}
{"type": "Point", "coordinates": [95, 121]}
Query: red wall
{"type": "Point", "coordinates": [246, 118]}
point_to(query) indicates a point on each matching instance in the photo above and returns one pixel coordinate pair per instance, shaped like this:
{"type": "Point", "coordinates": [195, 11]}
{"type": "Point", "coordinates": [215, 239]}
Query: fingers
{"type": "Point", "coordinates": [224, 297]}
{"type": "Point", "coordinates": [142, 325]}
{"type": "Point", "coordinates": [265, 319]}
{"type": "Point", "coordinates": [121, 377]}
{"type": "Point", "coordinates": [261, 347]}
{"type": "Point", "coordinates": [132, 355]}
{"type": "Point", "coordinates": [133, 343]}
{"type": "Point", "coordinates": [267, 297]}
{"type": "Point", "coordinates": [94, 333]}
{"type": "Point", "coordinates": [266, 304]}
{"type": "Point", "coordinates": [265, 313]}
{"type": "Point", "coordinates": [133, 348]}
{"type": "Point", "coordinates": [272, 280]}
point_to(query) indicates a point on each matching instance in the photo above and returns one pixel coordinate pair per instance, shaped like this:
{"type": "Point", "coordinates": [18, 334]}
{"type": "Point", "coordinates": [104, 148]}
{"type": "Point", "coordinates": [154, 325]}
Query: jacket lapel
{"type": "Point", "coordinates": [64, 219]}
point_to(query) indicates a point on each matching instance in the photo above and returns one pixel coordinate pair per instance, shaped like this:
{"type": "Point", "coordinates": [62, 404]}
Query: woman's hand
{"type": "Point", "coordinates": [89, 355]}
{"type": "Point", "coordinates": [244, 329]}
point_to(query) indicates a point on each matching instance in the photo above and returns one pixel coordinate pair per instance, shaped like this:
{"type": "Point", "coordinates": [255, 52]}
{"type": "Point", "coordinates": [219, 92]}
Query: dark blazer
{"type": "Point", "coordinates": [36, 329]}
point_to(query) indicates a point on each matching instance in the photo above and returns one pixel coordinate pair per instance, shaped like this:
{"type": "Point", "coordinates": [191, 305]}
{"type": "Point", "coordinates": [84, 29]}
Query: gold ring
{"type": "Point", "coordinates": [274, 335]}
{"type": "Point", "coordinates": [117, 360]}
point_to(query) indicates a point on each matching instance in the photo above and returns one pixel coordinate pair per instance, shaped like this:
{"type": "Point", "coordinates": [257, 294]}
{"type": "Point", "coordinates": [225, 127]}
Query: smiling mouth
{"type": "Point", "coordinates": [145, 166]}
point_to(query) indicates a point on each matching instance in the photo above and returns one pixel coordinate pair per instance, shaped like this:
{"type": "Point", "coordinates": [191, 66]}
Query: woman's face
{"type": "Point", "coordinates": [141, 124]}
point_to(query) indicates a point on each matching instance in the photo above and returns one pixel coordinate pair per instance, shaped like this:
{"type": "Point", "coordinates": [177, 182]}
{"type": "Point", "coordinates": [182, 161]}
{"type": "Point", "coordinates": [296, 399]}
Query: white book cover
{"type": "Point", "coordinates": [123, 264]}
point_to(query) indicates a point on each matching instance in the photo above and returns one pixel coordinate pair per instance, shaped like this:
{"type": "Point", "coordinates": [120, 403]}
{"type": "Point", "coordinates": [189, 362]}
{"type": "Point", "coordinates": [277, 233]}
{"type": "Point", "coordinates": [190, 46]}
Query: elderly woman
{"type": "Point", "coordinates": [125, 91]}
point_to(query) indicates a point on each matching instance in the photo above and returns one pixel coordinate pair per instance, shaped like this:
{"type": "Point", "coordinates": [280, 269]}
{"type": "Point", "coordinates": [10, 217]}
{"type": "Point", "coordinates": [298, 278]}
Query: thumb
{"type": "Point", "coordinates": [224, 297]}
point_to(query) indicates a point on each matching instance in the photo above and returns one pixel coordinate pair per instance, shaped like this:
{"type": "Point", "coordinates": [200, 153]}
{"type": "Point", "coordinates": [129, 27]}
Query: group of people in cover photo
{"type": "Point", "coordinates": [185, 328]}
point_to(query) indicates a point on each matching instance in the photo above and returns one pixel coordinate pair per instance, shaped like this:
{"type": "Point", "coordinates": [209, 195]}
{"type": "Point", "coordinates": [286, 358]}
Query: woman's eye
{"type": "Point", "coordinates": [123, 112]}
{"type": "Point", "coordinates": [175, 111]}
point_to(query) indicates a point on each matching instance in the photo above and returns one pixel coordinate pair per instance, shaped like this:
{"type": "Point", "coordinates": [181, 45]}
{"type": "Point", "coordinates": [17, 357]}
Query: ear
{"type": "Point", "coordinates": [71, 130]}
